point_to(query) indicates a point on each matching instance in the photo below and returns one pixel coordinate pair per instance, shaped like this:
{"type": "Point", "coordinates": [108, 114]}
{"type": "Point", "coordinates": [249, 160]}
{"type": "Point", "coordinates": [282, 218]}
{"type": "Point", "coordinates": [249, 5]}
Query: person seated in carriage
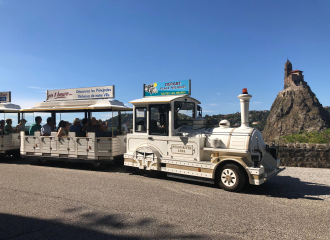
{"type": "Point", "coordinates": [63, 129]}
{"type": "Point", "coordinates": [84, 123]}
{"type": "Point", "coordinates": [94, 127]}
{"type": "Point", "coordinates": [102, 125]}
{"type": "Point", "coordinates": [21, 126]}
{"type": "Point", "coordinates": [35, 126]}
{"type": "Point", "coordinates": [8, 128]}
{"type": "Point", "coordinates": [2, 127]}
{"type": "Point", "coordinates": [76, 126]}
{"type": "Point", "coordinates": [47, 128]}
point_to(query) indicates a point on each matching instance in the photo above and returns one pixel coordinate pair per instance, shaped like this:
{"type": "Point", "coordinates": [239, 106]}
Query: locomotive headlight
{"type": "Point", "coordinates": [255, 157]}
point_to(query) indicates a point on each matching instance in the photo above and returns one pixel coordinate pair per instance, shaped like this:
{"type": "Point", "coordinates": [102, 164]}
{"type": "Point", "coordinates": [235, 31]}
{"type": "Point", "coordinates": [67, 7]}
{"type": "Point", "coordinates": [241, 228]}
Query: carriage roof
{"type": "Point", "coordinates": [79, 105]}
{"type": "Point", "coordinates": [9, 107]}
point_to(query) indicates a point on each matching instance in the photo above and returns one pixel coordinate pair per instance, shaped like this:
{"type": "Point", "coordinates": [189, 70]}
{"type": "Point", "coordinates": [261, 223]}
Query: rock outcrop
{"type": "Point", "coordinates": [295, 108]}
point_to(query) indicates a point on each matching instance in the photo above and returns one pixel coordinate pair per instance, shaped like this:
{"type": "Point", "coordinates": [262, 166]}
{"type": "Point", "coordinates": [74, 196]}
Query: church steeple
{"type": "Point", "coordinates": [287, 68]}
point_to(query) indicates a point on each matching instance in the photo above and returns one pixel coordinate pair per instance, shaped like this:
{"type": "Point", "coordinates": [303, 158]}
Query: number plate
{"type": "Point", "coordinates": [182, 149]}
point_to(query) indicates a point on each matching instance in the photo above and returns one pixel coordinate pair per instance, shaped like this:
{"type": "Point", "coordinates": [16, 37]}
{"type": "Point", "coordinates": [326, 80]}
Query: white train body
{"type": "Point", "coordinates": [228, 156]}
{"type": "Point", "coordinates": [90, 148]}
{"type": "Point", "coordinates": [9, 143]}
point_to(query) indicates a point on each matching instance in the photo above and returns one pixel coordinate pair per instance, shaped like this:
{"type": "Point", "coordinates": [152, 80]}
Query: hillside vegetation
{"type": "Point", "coordinates": [308, 137]}
{"type": "Point", "coordinates": [257, 119]}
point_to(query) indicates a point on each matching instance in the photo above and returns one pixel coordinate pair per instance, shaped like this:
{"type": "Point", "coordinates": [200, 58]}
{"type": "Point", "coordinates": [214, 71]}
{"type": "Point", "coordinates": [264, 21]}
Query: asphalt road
{"type": "Point", "coordinates": [71, 201]}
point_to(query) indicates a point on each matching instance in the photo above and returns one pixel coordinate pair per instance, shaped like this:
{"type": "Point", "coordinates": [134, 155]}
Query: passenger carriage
{"type": "Point", "coordinates": [170, 135]}
{"type": "Point", "coordinates": [9, 144]}
{"type": "Point", "coordinates": [97, 148]}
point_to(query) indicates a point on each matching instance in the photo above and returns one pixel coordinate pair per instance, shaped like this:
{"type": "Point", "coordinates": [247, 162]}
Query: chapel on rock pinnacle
{"type": "Point", "coordinates": [292, 78]}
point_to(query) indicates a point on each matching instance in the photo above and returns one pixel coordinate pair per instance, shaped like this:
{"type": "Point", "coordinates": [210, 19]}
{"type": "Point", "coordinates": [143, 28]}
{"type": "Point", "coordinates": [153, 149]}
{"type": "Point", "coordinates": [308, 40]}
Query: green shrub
{"type": "Point", "coordinates": [308, 137]}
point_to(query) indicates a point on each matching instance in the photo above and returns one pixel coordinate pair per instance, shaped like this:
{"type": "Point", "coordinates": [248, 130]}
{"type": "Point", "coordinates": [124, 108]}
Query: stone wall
{"type": "Point", "coordinates": [305, 155]}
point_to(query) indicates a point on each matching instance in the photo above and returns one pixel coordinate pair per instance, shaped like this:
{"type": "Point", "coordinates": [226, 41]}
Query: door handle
{"type": "Point", "coordinates": [150, 138]}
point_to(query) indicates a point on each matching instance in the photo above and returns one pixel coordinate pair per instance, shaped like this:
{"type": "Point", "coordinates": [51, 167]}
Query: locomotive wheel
{"type": "Point", "coordinates": [230, 178]}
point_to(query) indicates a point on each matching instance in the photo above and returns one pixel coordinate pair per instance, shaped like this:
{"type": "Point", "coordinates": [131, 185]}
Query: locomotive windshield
{"type": "Point", "coordinates": [184, 114]}
{"type": "Point", "coordinates": [158, 119]}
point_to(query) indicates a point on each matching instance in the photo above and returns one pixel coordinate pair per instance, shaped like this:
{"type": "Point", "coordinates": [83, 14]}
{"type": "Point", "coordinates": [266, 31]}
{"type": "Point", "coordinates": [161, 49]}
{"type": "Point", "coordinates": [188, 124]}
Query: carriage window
{"type": "Point", "coordinates": [141, 119]}
{"type": "Point", "coordinates": [184, 114]}
{"type": "Point", "coordinates": [159, 119]}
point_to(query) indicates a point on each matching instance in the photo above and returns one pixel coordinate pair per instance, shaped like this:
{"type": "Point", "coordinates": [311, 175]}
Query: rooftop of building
{"type": "Point", "coordinates": [296, 71]}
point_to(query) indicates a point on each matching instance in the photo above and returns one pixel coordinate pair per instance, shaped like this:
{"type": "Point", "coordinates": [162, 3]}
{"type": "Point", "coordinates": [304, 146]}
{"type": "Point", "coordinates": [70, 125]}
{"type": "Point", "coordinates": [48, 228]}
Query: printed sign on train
{"type": "Point", "coordinates": [5, 96]}
{"type": "Point", "coordinates": [81, 93]}
{"type": "Point", "coordinates": [182, 87]}
{"type": "Point", "coordinates": [140, 113]}
{"type": "Point", "coordinates": [182, 149]}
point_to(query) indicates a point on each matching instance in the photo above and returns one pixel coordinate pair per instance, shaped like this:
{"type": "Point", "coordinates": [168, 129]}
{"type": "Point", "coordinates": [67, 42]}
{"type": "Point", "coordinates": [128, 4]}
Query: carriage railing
{"type": "Point", "coordinates": [90, 147]}
{"type": "Point", "coordinates": [9, 142]}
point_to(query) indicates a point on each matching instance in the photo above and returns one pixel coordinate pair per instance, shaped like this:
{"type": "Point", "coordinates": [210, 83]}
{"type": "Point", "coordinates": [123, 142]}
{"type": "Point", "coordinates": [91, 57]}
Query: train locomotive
{"type": "Point", "coordinates": [168, 136]}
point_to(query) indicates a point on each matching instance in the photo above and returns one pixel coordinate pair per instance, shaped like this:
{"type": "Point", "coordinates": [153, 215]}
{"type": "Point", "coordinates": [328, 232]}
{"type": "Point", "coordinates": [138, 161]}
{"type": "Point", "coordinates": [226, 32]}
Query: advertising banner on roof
{"type": "Point", "coordinates": [81, 93]}
{"type": "Point", "coordinates": [5, 96]}
{"type": "Point", "coordinates": [170, 88]}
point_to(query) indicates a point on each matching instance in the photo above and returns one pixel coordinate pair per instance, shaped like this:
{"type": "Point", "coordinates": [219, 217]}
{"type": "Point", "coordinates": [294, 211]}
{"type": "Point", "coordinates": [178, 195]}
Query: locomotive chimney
{"type": "Point", "coordinates": [245, 100]}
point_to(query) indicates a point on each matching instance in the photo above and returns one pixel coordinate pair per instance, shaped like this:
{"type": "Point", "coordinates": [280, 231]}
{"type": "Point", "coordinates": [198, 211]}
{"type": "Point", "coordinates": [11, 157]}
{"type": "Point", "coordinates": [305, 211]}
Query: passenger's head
{"type": "Point", "coordinates": [23, 121]}
{"type": "Point", "coordinates": [84, 121]}
{"type": "Point", "coordinates": [38, 119]}
{"type": "Point", "coordinates": [67, 125]}
{"type": "Point", "coordinates": [9, 121]}
{"type": "Point", "coordinates": [99, 122]}
{"type": "Point", "coordinates": [49, 121]}
{"type": "Point", "coordinates": [61, 124]}
{"type": "Point", "coordinates": [2, 123]}
{"type": "Point", "coordinates": [76, 122]}
{"type": "Point", "coordinates": [93, 121]}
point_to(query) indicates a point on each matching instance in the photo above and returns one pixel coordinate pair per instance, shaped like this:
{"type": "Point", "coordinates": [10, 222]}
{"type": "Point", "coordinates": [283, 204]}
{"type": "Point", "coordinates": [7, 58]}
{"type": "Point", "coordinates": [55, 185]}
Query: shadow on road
{"type": "Point", "coordinates": [289, 187]}
{"type": "Point", "coordinates": [110, 167]}
{"type": "Point", "coordinates": [9, 159]}
{"type": "Point", "coordinates": [278, 187]}
{"type": "Point", "coordinates": [90, 226]}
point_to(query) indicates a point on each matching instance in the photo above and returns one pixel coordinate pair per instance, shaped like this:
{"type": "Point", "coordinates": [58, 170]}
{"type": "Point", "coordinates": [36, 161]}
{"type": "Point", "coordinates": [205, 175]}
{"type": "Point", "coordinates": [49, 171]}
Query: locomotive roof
{"type": "Point", "coordinates": [165, 99]}
{"type": "Point", "coordinates": [79, 105]}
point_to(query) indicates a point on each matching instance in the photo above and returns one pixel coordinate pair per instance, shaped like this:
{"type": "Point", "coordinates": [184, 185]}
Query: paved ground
{"type": "Point", "coordinates": [70, 201]}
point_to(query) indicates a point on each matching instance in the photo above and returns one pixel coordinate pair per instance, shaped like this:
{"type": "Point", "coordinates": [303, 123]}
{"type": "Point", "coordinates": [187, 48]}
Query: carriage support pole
{"type": "Point", "coordinates": [54, 120]}
{"type": "Point", "coordinates": [119, 123]}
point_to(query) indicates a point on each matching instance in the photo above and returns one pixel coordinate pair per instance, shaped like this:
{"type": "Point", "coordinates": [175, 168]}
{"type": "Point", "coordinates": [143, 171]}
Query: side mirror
{"type": "Point", "coordinates": [199, 109]}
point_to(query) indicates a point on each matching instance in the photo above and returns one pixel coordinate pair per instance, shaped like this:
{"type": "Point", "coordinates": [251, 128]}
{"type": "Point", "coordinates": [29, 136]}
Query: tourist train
{"type": "Point", "coordinates": [168, 135]}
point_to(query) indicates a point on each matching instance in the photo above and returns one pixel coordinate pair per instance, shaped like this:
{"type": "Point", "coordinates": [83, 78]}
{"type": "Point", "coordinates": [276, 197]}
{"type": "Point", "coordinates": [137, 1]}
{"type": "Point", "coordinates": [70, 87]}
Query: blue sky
{"type": "Point", "coordinates": [222, 46]}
